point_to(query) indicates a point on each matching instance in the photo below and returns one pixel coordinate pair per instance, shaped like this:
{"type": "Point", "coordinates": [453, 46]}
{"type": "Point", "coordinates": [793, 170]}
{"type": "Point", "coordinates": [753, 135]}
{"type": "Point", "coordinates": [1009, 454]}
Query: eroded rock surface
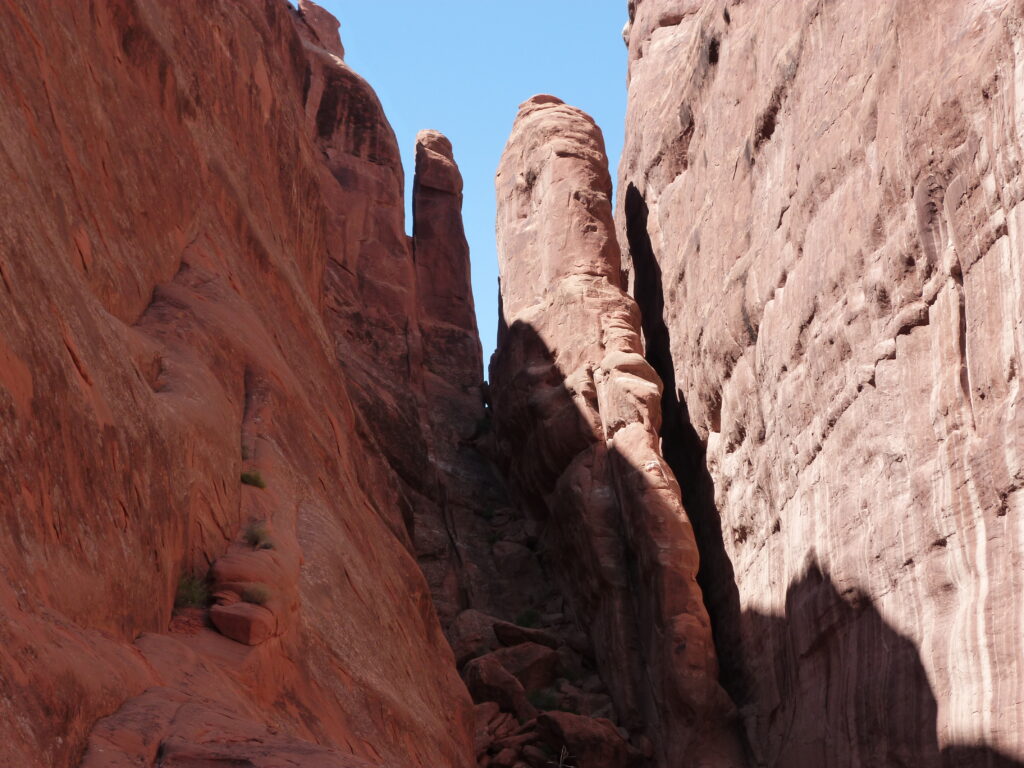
{"type": "Point", "coordinates": [260, 509]}
{"type": "Point", "coordinates": [208, 318]}
{"type": "Point", "coordinates": [450, 537]}
{"type": "Point", "coordinates": [822, 203]}
{"type": "Point", "coordinates": [577, 410]}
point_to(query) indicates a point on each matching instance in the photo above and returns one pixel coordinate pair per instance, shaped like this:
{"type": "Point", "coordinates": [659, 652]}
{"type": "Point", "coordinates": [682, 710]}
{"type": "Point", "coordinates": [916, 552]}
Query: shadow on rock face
{"type": "Point", "coordinates": [833, 684]}
{"type": "Point", "coordinates": [828, 683]}
{"type": "Point", "coordinates": [685, 453]}
{"type": "Point", "coordinates": [614, 540]}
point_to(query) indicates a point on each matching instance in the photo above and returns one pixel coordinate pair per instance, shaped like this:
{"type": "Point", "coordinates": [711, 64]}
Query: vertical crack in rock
{"type": "Point", "coordinates": [685, 453]}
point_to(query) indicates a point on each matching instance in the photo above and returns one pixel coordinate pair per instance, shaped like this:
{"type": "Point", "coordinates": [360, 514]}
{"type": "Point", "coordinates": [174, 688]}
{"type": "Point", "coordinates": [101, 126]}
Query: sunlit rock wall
{"type": "Point", "coordinates": [822, 207]}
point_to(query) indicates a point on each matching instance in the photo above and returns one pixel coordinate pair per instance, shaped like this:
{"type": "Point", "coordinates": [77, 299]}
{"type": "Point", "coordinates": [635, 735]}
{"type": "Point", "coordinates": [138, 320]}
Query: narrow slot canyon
{"type": "Point", "coordinates": [739, 485]}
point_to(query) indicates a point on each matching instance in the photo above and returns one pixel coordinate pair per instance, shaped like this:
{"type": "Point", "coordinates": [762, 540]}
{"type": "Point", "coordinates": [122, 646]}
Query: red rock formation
{"type": "Point", "coordinates": [577, 410]}
{"type": "Point", "coordinates": [207, 308]}
{"type": "Point", "coordinates": [474, 542]}
{"type": "Point", "coordinates": [822, 203]}
{"type": "Point", "coordinates": [594, 743]}
{"type": "Point", "coordinates": [247, 458]}
{"type": "Point", "coordinates": [450, 539]}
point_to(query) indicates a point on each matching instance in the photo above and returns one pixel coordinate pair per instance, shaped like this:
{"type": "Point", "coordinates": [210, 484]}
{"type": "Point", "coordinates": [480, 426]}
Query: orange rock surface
{"type": "Point", "coordinates": [179, 314]}
{"type": "Point", "coordinates": [744, 488]}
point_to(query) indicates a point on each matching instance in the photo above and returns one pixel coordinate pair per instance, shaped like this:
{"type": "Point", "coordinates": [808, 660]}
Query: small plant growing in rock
{"type": "Point", "coordinates": [257, 536]}
{"type": "Point", "coordinates": [254, 478]}
{"type": "Point", "coordinates": [192, 591]}
{"type": "Point", "coordinates": [255, 594]}
{"type": "Point", "coordinates": [563, 759]}
{"type": "Point", "coordinates": [528, 618]}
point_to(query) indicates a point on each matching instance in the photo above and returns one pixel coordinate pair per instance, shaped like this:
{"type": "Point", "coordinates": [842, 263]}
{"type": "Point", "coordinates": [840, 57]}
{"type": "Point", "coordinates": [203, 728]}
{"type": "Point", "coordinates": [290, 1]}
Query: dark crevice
{"type": "Point", "coordinates": [685, 454]}
{"type": "Point", "coordinates": [768, 119]}
{"type": "Point", "coordinates": [307, 81]}
{"type": "Point", "coordinates": [965, 369]}
{"type": "Point", "coordinates": [502, 323]}
{"type": "Point", "coordinates": [327, 112]}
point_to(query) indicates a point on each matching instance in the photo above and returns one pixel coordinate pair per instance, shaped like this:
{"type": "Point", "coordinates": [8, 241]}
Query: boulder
{"type": "Point", "coordinates": [471, 634]}
{"type": "Point", "coordinates": [488, 680]}
{"type": "Point", "coordinates": [513, 634]}
{"type": "Point", "coordinates": [532, 664]}
{"type": "Point", "coordinates": [247, 623]}
{"type": "Point", "coordinates": [594, 743]}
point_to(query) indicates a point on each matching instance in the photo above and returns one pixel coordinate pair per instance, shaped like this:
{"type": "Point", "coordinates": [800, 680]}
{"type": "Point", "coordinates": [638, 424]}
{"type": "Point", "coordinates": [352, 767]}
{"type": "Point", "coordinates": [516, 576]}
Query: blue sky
{"type": "Point", "coordinates": [463, 67]}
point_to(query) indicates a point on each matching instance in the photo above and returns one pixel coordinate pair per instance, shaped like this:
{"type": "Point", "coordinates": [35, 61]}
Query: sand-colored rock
{"type": "Point", "coordinates": [822, 203]}
{"type": "Point", "coordinates": [577, 410]}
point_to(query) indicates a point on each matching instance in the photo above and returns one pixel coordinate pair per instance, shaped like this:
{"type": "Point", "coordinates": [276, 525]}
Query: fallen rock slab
{"type": "Point", "coordinates": [244, 622]}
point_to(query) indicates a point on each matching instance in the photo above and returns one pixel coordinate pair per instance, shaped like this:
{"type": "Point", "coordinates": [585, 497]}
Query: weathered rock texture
{"type": "Point", "coordinates": [822, 203]}
{"type": "Point", "coordinates": [259, 508]}
{"type": "Point", "coordinates": [204, 278]}
{"type": "Point", "coordinates": [476, 542]}
{"type": "Point", "coordinates": [577, 411]}
{"type": "Point", "coordinates": [450, 537]}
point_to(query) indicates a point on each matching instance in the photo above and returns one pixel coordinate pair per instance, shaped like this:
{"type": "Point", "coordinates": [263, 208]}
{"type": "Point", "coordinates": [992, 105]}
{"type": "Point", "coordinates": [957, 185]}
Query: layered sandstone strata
{"type": "Point", "coordinates": [822, 203]}
{"type": "Point", "coordinates": [577, 411]}
{"type": "Point", "coordinates": [209, 357]}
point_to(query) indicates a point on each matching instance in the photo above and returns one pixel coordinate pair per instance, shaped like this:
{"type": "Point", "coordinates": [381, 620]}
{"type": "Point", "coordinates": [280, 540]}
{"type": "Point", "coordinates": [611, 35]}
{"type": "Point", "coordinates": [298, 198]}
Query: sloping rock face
{"type": "Point", "coordinates": [209, 363]}
{"type": "Point", "coordinates": [577, 410]}
{"type": "Point", "coordinates": [822, 204]}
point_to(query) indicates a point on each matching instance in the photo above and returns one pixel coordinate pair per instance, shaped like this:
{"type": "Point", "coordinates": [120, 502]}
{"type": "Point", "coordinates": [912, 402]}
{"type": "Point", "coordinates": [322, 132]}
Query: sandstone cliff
{"type": "Point", "coordinates": [822, 205]}
{"type": "Point", "coordinates": [211, 376]}
{"type": "Point", "coordinates": [743, 490]}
